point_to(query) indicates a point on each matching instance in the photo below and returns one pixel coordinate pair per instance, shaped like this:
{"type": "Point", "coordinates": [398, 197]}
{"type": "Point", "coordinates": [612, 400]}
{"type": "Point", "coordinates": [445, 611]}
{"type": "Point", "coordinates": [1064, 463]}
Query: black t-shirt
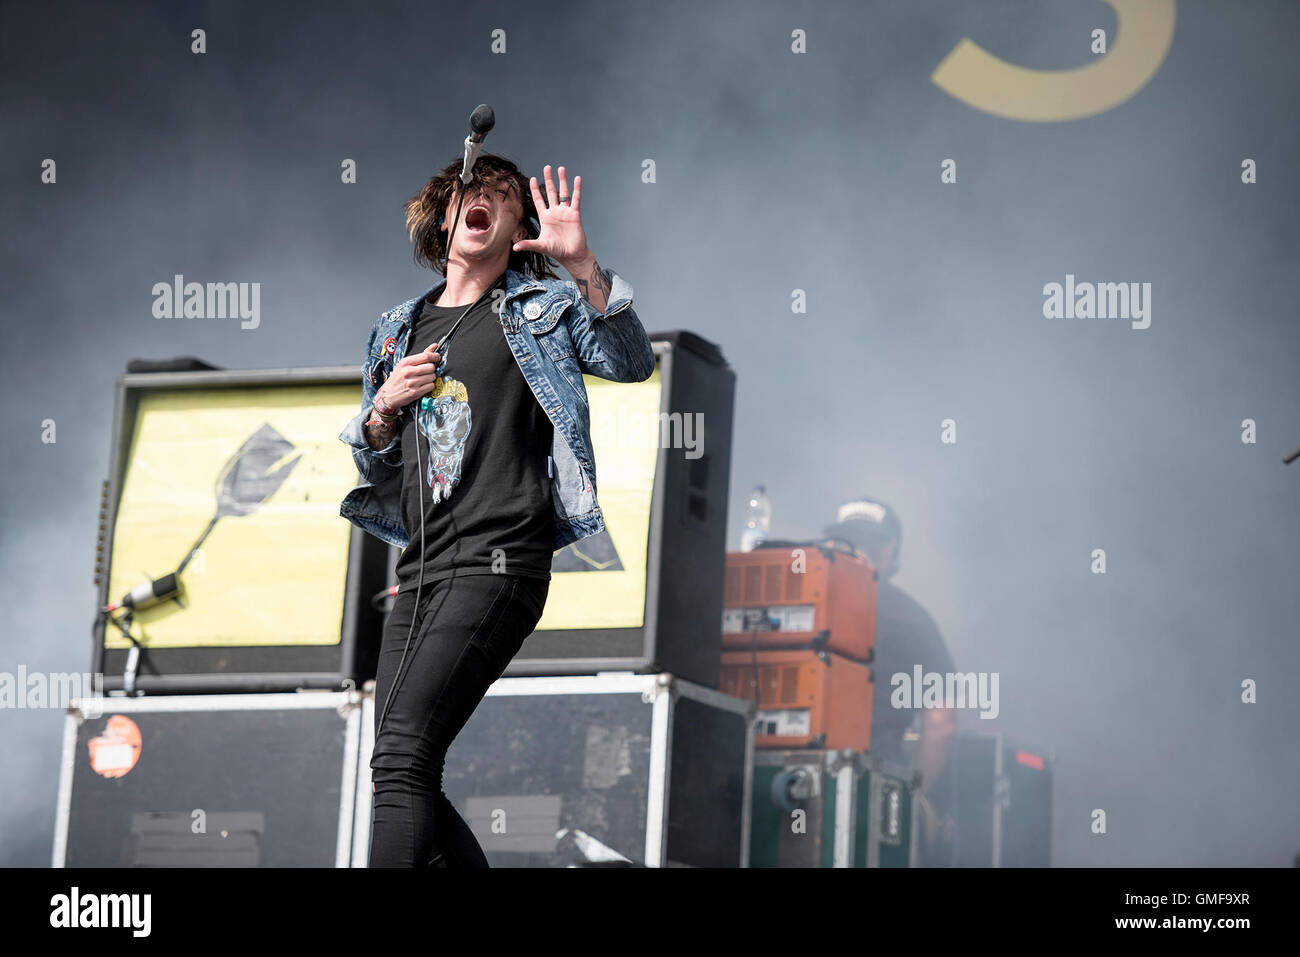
{"type": "Point", "coordinates": [906, 636]}
{"type": "Point", "coordinates": [483, 462]}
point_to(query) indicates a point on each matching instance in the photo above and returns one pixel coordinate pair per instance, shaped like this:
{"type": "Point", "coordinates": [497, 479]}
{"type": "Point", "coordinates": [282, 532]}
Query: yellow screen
{"type": "Point", "coordinates": [599, 582]}
{"type": "Point", "coordinates": [254, 477]}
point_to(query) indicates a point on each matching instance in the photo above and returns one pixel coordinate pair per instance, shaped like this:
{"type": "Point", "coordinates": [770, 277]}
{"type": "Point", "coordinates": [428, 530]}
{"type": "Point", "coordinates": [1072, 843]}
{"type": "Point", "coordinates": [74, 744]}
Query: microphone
{"type": "Point", "coordinates": [481, 122]}
{"type": "Point", "coordinates": [150, 593]}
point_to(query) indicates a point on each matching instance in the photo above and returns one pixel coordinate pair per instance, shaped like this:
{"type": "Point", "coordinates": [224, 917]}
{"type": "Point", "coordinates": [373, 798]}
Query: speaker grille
{"type": "Point", "coordinates": [793, 584]}
{"type": "Point", "coordinates": [772, 583]}
{"type": "Point", "coordinates": [789, 685]}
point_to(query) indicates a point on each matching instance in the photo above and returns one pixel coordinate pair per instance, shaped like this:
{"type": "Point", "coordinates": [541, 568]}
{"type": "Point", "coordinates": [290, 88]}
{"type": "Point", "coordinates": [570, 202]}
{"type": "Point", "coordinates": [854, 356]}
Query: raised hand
{"type": "Point", "coordinates": [562, 237]}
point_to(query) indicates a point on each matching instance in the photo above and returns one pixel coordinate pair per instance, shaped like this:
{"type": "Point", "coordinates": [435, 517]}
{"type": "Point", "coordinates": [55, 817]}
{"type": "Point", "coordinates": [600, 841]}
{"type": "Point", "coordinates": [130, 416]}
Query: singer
{"type": "Point", "coordinates": [474, 451]}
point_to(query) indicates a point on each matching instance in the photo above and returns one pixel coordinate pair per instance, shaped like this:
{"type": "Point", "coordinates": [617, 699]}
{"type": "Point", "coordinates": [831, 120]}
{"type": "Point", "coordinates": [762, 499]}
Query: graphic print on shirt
{"type": "Point", "coordinates": [445, 421]}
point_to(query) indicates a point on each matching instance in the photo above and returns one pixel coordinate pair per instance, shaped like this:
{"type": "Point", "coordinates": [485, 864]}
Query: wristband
{"type": "Point", "coordinates": [385, 410]}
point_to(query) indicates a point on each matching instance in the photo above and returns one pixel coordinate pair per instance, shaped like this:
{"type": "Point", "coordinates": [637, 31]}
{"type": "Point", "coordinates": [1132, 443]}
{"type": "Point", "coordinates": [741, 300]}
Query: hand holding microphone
{"type": "Point", "coordinates": [411, 378]}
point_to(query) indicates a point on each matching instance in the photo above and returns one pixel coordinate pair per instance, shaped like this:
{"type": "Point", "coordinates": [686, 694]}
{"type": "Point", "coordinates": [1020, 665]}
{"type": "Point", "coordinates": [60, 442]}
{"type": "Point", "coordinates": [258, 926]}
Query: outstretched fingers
{"type": "Point", "coordinates": [537, 195]}
{"type": "Point", "coordinates": [551, 198]}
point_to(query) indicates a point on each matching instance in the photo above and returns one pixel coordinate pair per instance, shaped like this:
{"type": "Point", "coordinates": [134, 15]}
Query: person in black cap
{"type": "Point", "coordinates": [906, 636]}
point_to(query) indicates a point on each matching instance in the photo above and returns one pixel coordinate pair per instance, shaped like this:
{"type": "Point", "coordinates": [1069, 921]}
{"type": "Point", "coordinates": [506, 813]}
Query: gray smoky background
{"type": "Point", "coordinates": [774, 172]}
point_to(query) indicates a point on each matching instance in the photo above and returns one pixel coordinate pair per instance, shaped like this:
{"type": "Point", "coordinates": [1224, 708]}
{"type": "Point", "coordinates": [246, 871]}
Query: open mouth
{"type": "Point", "coordinates": [478, 219]}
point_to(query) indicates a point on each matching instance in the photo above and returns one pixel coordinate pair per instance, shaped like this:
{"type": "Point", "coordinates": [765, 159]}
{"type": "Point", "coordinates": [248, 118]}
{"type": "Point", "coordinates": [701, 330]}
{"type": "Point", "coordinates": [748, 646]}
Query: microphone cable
{"type": "Point", "coordinates": [419, 477]}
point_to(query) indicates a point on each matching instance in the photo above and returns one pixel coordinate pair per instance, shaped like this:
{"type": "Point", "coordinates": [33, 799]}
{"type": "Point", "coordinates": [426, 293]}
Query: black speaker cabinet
{"type": "Point", "coordinates": [215, 780]}
{"type": "Point", "coordinates": [228, 484]}
{"type": "Point", "coordinates": [1004, 803]}
{"type": "Point", "coordinates": [600, 771]}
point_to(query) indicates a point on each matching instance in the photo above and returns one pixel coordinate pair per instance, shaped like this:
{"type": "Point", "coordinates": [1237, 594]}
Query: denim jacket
{"type": "Point", "coordinates": [555, 336]}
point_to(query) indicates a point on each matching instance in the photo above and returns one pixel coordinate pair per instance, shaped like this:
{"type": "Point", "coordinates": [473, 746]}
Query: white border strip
{"type": "Point", "coordinates": [656, 813]}
{"type": "Point", "coordinates": [348, 788]}
{"type": "Point", "coordinates": [622, 682]}
{"type": "Point", "coordinates": [845, 805]}
{"type": "Point", "coordinates": [219, 702]}
{"type": "Point", "coordinates": [365, 797]}
{"type": "Point", "coordinates": [67, 762]}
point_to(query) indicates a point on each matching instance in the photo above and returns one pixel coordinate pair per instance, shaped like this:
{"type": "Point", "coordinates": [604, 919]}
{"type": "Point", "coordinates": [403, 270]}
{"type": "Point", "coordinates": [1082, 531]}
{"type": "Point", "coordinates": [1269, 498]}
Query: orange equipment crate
{"type": "Point", "coordinates": [799, 597]}
{"type": "Point", "coordinates": [806, 699]}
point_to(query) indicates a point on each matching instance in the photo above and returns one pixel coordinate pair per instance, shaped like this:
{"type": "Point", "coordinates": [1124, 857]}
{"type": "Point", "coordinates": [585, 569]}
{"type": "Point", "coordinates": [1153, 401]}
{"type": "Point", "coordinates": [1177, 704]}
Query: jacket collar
{"type": "Point", "coordinates": [516, 285]}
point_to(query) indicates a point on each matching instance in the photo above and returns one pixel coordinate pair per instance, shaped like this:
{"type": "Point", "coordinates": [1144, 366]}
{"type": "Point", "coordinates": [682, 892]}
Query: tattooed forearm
{"type": "Point", "coordinates": [379, 433]}
{"type": "Point", "coordinates": [594, 286]}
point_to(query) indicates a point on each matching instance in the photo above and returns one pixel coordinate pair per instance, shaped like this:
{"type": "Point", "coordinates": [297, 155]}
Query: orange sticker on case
{"type": "Point", "coordinates": [116, 751]}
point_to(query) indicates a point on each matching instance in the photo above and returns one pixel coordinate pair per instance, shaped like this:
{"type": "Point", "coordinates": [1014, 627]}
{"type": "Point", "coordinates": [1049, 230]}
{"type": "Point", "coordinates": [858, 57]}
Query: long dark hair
{"type": "Point", "coordinates": [425, 211]}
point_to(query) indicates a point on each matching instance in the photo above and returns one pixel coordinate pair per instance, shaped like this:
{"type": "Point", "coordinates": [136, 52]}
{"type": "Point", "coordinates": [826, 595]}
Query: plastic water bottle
{"type": "Point", "coordinates": [758, 520]}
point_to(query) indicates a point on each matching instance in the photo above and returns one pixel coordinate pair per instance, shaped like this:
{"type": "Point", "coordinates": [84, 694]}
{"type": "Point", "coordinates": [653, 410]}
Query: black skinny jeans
{"type": "Point", "coordinates": [468, 630]}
